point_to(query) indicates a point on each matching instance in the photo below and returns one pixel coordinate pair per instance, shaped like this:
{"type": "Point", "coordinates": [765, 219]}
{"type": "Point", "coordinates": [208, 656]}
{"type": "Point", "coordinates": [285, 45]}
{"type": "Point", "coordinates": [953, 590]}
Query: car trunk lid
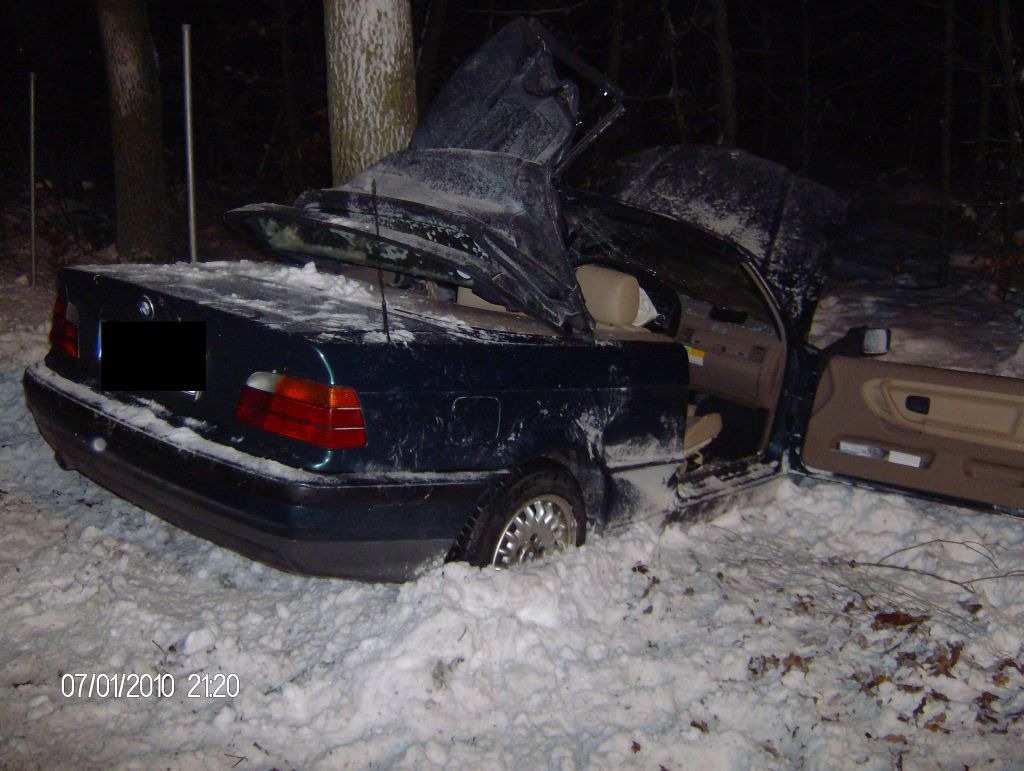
{"type": "Point", "coordinates": [257, 318]}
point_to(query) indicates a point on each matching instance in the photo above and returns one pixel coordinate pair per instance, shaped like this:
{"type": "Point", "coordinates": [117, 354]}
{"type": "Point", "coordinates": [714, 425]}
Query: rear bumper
{"type": "Point", "coordinates": [349, 526]}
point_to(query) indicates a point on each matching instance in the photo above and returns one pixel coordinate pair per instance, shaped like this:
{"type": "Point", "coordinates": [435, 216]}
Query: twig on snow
{"type": "Point", "coordinates": [1007, 574]}
{"type": "Point", "coordinates": [965, 585]}
{"type": "Point", "coordinates": [987, 553]}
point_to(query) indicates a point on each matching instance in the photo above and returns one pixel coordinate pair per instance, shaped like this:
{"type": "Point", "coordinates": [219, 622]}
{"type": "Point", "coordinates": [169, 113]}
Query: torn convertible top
{"type": "Point", "coordinates": [506, 98]}
{"type": "Point", "coordinates": [492, 216]}
{"type": "Point", "coordinates": [474, 190]}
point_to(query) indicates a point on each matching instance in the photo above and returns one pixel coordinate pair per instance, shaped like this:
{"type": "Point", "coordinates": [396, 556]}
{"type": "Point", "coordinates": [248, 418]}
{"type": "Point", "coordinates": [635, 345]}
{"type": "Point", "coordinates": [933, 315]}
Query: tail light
{"type": "Point", "coordinates": [64, 330]}
{"type": "Point", "coordinates": [319, 414]}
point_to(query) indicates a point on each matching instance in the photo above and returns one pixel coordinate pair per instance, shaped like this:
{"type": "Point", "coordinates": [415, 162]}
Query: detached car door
{"type": "Point", "coordinates": [936, 431]}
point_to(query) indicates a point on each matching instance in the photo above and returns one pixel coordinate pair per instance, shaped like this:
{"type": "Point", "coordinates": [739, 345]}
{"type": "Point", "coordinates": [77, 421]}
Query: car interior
{"type": "Point", "coordinates": [737, 358]}
{"type": "Point", "coordinates": [618, 304]}
{"type": "Point", "coordinates": [707, 299]}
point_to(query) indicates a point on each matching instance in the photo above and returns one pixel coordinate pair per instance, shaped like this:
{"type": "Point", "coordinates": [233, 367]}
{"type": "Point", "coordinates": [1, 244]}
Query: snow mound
{"type": "Point", "coordinates": [947, 328]}
{"type": "Point", "coordinates": [812, 625]}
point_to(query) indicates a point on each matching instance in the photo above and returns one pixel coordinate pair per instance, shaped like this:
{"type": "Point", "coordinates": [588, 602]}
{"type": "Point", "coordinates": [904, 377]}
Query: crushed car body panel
{"type": "Point", "coordinates": [782, 220]}
{"type": "Point", "coordinates": [492, 216]}
{"type": "Point", "coordinates": [506, 98]}
{"type": "Point", "coordinates": [509, 98]}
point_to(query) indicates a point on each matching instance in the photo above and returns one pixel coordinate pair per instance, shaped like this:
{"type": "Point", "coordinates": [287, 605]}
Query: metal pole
{"type": "Point", "coordinates": [32, 170]}
{"type": "Point", "coordinates": [186, 39]}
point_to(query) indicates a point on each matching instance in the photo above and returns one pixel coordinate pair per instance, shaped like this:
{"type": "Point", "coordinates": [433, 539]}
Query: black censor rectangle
{"type": "Point", "coordinates": [153, 356]}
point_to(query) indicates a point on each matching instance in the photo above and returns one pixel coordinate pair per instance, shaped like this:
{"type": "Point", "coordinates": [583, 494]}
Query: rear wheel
{"type": "Point", "coordinates": [530, 517]}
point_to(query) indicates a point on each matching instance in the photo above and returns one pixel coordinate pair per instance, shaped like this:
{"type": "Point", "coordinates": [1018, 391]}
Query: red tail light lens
{"type": "Point", "coordinates": [323, 415]}
{"type": "Point", "coordinates": [64, 330]}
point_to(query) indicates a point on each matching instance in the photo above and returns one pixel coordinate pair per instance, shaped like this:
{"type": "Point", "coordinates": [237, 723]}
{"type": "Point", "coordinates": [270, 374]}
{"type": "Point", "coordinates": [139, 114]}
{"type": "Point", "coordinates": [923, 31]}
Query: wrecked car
{"type": "Point", "coordinates": [455, 356]}
{"type": "Point", "coordinates": [436, 379]}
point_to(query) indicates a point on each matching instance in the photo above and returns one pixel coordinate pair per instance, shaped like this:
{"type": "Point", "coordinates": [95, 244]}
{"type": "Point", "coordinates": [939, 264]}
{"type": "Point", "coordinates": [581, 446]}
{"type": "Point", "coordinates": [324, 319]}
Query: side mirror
{"type": "Point", "coordinates": [875, 342]}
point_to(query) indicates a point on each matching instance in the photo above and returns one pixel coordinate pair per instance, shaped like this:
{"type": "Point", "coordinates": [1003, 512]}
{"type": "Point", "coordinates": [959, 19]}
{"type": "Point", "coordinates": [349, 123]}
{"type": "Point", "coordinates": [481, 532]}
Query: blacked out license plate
{"type": "Point", "coordinates": [153, 356]}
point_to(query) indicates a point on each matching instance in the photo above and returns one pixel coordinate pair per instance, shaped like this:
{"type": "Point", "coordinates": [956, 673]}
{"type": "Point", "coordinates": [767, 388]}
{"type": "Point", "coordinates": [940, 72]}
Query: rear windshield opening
{"type": "Point", "coordinates": [332, 249]}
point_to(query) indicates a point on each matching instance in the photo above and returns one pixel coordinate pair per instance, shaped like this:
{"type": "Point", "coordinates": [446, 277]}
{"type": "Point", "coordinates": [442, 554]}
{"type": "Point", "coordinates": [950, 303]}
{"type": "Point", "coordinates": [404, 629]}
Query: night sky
{"type": "Point", "coordinates": [842, 90]}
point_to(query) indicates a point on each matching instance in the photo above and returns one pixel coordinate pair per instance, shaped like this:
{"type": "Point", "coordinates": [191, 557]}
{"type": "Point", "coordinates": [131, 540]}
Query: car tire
{"type": "Point", "coordinates": [529, 516]}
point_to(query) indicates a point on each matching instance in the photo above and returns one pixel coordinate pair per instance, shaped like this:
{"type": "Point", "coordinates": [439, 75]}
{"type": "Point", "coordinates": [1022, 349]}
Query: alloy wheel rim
{"type": "Point", "coordinates": [543, 525]}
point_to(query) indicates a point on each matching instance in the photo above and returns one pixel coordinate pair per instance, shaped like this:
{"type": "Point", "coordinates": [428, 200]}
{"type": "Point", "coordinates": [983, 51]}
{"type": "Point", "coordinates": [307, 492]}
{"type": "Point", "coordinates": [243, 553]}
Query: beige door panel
{"type": "Point", "coordinates": [952, 433]}
{"type": "Point", "coordinates": [961, 413]}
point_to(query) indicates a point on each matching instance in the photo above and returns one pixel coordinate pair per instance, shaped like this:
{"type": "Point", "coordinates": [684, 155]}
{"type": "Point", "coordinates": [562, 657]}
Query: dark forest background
{"type": "Point", "coordinates": [839, 90]}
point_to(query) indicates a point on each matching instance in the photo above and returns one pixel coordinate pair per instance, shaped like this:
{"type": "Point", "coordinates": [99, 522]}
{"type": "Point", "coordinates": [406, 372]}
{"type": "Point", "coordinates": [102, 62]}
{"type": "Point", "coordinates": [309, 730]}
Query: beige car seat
{"type": "Point", "coordinates": [469, 298]}
{"type": "Point", "coordinates": [612, 297]}
{"type": "Point", "coordinates": [700, 431]}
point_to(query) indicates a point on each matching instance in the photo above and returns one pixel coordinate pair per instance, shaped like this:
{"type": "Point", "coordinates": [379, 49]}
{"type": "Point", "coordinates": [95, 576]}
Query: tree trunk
{"type": "Point", "coordinates": [371, 91]}
{"type": "Point", "coordinates": [430, 46]}
{"type": "Point", "coordinates": [291, 172]}
{"type": "Point", "coordinates": [677, 94]}
{"type": "Point", "coordinates": [985, 76]}
{"type": "Point", "coordinates": [947, 141]}
{"type": "Point", "coordinates": [135, 118]}
{"type": "Point", "coordinates": [1013, 116]}
{"type": "Point", "coordinates": [726, 75]}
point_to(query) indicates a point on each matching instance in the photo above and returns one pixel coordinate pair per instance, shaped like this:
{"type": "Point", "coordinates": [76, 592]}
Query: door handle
{"type": "Point", "coordinates": [919, 404]}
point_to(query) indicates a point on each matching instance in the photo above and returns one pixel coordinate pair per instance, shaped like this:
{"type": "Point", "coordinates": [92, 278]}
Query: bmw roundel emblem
{"type": "Point", "coordinates": [146, 307]}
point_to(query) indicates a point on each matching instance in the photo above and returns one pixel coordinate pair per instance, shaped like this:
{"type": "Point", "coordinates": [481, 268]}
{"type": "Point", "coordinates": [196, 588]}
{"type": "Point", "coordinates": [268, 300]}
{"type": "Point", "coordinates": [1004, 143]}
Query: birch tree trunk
{"type": "Point", "coordinates": [371, 91]}
{"type": "Point", "coordinates": [135, 119]}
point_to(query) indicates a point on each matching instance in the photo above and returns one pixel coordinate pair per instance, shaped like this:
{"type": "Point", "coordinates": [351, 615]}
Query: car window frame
{"type": "Point", "coordinates": [718, 247]}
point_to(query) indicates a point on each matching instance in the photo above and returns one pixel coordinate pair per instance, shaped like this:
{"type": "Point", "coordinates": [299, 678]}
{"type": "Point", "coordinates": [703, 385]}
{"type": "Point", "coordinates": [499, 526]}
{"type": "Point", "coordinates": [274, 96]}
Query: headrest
{"type": "Point", "coordinates": [612, 297]}
{"type": "Point", "coordinates": [468, 297]}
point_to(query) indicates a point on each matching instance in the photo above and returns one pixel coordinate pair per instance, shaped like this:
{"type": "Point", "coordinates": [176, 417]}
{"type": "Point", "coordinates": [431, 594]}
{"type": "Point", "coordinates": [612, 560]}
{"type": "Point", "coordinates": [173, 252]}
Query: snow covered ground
{"type": "Point", "coordinates": [806, 625]}
{"type": "Point", "coordinates": [954, 327]}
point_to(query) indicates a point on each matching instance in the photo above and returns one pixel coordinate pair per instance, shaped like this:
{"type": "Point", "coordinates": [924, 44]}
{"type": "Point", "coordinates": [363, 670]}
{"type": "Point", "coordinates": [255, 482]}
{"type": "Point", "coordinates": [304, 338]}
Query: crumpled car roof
{"type": "Point", "coordinates": [784, 221]}
{"type": "Point", "coordinates": [475, 189]}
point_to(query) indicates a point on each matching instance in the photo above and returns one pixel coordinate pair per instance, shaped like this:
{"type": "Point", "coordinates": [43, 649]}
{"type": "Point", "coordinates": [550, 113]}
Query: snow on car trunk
{"type": "Point", "coordinates": [809, 625]}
